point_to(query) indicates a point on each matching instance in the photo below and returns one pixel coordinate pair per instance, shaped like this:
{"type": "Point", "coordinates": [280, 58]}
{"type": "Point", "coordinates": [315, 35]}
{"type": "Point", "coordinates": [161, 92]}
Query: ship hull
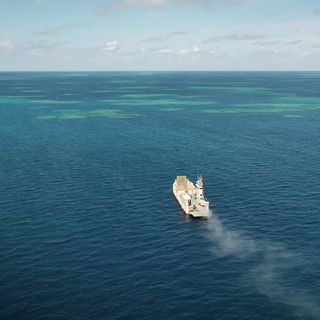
{"type": "Point", "coordinates": [199, 212]}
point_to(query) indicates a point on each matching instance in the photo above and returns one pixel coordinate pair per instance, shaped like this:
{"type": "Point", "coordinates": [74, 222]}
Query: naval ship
{"type": "Point", "coordinates": [190, 197]}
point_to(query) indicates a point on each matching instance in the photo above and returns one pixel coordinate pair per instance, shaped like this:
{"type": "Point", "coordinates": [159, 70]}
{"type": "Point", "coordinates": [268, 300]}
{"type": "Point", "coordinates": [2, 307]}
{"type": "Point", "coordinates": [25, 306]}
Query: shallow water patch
{"type": "Point", "coordinates": [17, 99]}
{"type": "Point", "coordinates": [32, 91]}
{"type": "Point", "coordinates": [148, 95]}
{"type": "Point", "coordinates": [298, 100]}
{"type": "Point", "coordinates": [21, 88]}
{"type": "Point", "coordinates": [171, 109]}
{"type": "Point", "coordinates": [39, 107]}
{"type": "Point", "coordinates": [161, 102]}
{"type": "Point", "coordinates": [264, 108]}
{"type": "Point", "coordinates": [293, 116]}
{"type": "Point", "coordinates": [239, 89]}
{"type": "Point", "coordinates": [74, 114]}
{"type": "Point", "coordinates": [51, 101]}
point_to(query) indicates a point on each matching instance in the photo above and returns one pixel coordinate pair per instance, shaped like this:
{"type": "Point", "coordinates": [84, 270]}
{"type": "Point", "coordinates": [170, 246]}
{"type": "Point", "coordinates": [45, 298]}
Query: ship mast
{"type": "Point", "coordinates": [199, 186]}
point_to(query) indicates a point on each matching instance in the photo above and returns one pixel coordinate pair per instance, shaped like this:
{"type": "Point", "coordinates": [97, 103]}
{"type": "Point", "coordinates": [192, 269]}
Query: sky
{"type": "Point", "coordinates": [120, 35]}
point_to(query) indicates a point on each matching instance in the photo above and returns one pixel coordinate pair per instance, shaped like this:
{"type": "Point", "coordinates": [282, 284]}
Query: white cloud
{"type": "Point", "coordinates": [216, 54]}
{"type": "Point", "coordinates": [184, 51]}
{"type": "Point", "coordinates": [122, 4]}
{"type": "Point", "coordinates": [236, 37]}
{"type": "Point", "coordinates": [143, 2]}
{"type": "Point", "coordinates": [278, 42]}
{"type": "Point", "coordinates": [196, 49]}
{"type": "Point", "coordinates": [193, 51]}
{"type": "Point", "coordinates": [118, 50]}
{"type": "Point", "coordinates": [112, 46]}
{"type": "Point", "coordinates": [165, 51]}
{"type": "Point", "coordinates": [6, 45]}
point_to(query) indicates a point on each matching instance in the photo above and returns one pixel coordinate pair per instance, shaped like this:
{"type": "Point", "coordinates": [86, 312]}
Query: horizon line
{"type": "Point", "coordinates": [159, 71]}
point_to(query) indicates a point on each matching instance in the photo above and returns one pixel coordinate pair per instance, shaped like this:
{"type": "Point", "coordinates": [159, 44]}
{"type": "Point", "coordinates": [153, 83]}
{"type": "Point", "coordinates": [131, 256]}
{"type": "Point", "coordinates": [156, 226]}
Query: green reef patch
{"type": "Point", "coordinates": [293, 116]}
{"type": "Point", "coordinates": [22, 88]}
{"type": "Point", "coordinates": [158, 96]}
{"type": "Point", "coordinates": [111, 100]}
{"type": "Point", "coordinates": [160, 102]}
{"type": "Point", "coordinates": [279, 104]}
{"type": "Point", "coordinates": [171, 109]}
{"type": "Point", "coordinates": [17, 99]}
{"type": "Point", "coordinates": [123, 81]}
{"type": "Point", "coordinates": [102, 91]}
{"type": "Point", "coordinates": [32, 91]}
{"type": "Point", "coordinates": [74, 114]}
{"type": "Point", "coordinates": [39, 107]}
{"type": "Point", "coordinates": [238, 89]}
{"type": "Point", "coordinates": [311, 74]}
{"type": "Point", "coordinates": [73, 75]}
{"type": "Point", "coordinates": [148, 95]}
{"type": "Point", "coordinates": [265, 108]}
{"type": "Point", "coordinates": [128, 88]}
{"type": "Point", "coordinates": [34, 99]}
{"type": "Point", "coordinates": [47, 101]}
{"type": "Point", "coordinates": [10, 100]}
{"type": "Point", "coordinates": [294, 100]}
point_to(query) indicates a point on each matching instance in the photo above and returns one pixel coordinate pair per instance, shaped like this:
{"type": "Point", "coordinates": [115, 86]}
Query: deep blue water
{"type": "Point", "coordinates": [89, 228]}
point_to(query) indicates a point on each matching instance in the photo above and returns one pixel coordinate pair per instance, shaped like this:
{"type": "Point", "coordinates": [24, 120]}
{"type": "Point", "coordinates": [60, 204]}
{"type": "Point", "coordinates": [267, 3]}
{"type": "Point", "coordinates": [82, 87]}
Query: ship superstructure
{"type": "Point", "coordinates": [191, 197]}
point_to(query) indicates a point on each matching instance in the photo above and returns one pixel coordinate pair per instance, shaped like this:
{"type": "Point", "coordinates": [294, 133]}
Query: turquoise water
{"type": "Point", "coordinates": [89, 227]}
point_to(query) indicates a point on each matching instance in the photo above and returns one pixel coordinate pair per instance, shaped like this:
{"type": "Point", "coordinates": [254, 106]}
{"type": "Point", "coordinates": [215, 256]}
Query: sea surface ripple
{"type": "Point", "coordinates": [89, 228]}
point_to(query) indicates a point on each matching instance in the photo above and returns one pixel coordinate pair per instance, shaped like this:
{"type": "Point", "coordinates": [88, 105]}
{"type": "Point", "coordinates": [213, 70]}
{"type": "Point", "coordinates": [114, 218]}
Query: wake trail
{"type": "Point", "coordinates": [275, 262]}
{"type": "Point", "coordinates": [228, 242]}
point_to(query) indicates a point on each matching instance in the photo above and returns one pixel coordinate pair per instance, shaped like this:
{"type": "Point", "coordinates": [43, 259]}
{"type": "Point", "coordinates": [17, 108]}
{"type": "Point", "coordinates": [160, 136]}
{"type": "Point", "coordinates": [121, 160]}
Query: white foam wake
{"type": "Point", "coordinates": [228, 242]}
{"type": "Point", "coordinates": [275, 262]}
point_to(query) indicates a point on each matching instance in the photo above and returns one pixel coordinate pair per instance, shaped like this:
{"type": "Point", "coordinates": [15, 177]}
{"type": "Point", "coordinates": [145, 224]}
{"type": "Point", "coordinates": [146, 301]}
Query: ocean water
{"type": "Point", "coordinates": [89, 228]}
